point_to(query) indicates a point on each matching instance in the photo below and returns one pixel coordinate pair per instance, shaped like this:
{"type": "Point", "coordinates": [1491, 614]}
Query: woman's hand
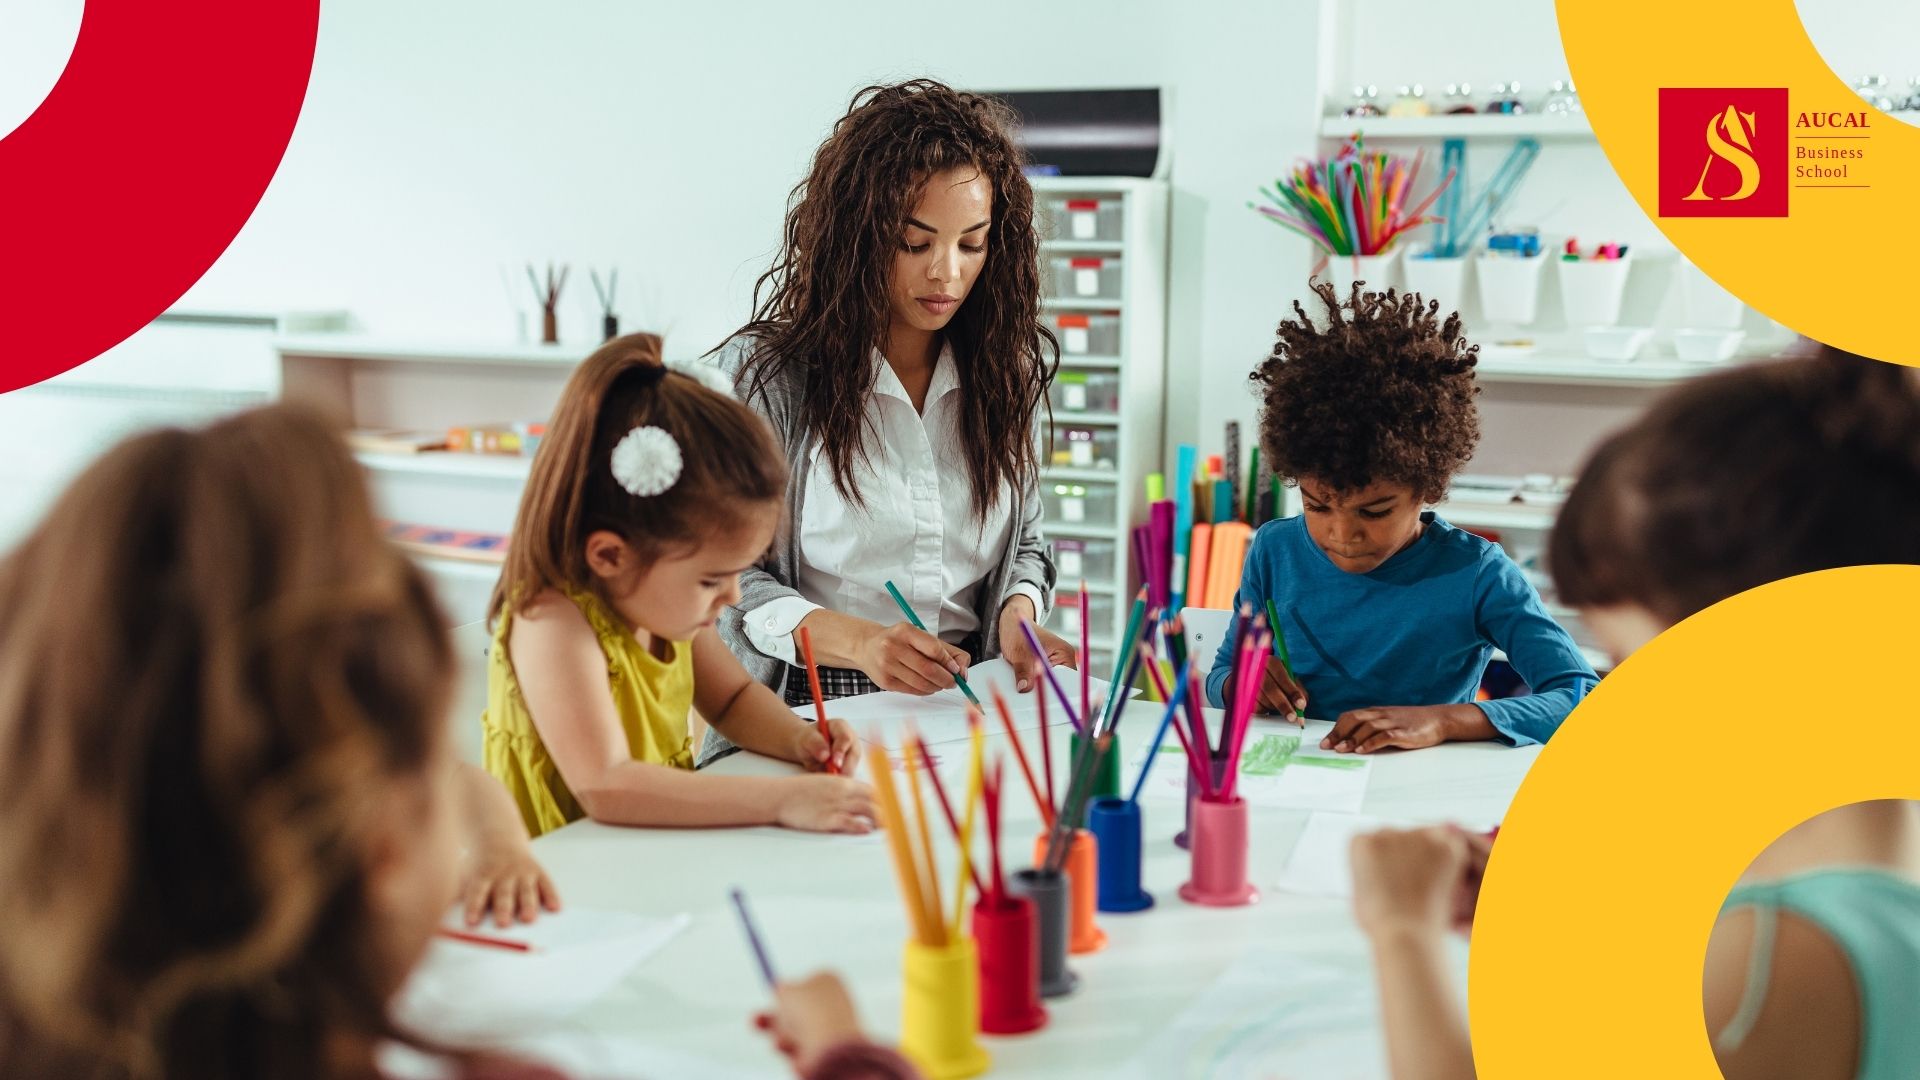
{"type": "Point", "coordinates": [1419, 882]}
{"type": "Point", "coordinates": [1019, 654]}
{"type": "Point", "coordinates": [813, 748]}
{"type": "Point", "coordinates": [1405, 727]}
{"type": "Point", "coordinates": [501, 875]}
{"type": "Point", "coordinates": [810, 1018]}
{"type": "Point", "coordinates": [900, 657]}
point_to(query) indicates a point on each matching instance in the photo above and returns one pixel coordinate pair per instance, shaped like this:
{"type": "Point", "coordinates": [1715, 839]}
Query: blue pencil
{"type": "Point", "coordinates": [1173, 706]}
{"type": "Point", "coordinates": [753, 938]}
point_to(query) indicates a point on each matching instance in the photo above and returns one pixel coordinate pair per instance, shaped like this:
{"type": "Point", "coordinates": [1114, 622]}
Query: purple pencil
{"type": "Point", "coordinates": [1040, 654]}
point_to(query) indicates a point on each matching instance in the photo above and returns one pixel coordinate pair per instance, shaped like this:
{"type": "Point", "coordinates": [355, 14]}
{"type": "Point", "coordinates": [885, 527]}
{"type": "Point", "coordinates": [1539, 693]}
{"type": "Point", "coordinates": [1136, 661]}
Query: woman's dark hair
{"type": "Point", "coordinates": [826, 303]}
{"type": "Point", "coordinates": [1744, 477]}
{"type": "Point", "coordinates": [1384, 393]}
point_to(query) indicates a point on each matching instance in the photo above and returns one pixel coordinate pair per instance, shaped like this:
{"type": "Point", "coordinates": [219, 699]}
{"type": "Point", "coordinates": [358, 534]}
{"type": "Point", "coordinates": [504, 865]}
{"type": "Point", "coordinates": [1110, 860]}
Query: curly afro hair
{"type": "Point", "coordinates": [1383, 394]}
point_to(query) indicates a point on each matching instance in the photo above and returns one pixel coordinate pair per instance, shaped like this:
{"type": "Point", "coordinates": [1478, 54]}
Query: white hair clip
{"type": "Point", "coordinates": [707, 375]}
{"type": "Point", "coordinates": [647, 461]}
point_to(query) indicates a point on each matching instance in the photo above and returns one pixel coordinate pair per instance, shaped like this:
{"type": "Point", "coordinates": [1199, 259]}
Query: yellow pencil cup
{"type": "Point", "coordinates": [940, 1010]}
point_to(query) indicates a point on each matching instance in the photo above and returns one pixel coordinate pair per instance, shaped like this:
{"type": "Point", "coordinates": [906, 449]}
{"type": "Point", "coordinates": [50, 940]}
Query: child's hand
{"type": "Point", "coordinates": [502, 875]}
{"type": "Point", "coordinates": [1019, 653]}
{"type": "Point", "coordinates": [1415, 881]}
{"type": "Point", "coordinates": [1406, 727]}
{"type": "Point", "coordinates": [813, 748]}
{"type": "Point", "coordinates": [810, 1018]}
{"type": "Point", "coordinates": [1281, 693]}
{"type": "Point", "coordinates": [820, 803]}
{"type": "Point", "coordinates": [899, 657]}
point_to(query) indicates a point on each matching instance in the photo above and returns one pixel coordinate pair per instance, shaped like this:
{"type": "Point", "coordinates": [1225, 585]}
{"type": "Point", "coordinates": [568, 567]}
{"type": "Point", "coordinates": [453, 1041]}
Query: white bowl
{"type": "Point", "coordinates": [1707, 346]}
{"type": "Point", "coordinates": [1617, 342]}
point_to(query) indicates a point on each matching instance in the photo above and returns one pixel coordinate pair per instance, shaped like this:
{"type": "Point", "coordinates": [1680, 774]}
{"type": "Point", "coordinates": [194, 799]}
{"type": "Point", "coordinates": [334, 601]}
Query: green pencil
{"type": "Point", "coordinates": [907, 610]}
{"type": "Point", "coordinates": [1280, 645]}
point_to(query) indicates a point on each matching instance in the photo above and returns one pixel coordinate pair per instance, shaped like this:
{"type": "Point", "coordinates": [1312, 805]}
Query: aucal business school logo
{"type": "Point", "coordinates": [1724, 152]}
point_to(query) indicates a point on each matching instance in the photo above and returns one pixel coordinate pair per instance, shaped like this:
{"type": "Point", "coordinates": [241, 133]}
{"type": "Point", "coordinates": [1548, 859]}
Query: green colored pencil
{"type": "Point", "coordinates": [907, 610]}
{"type": "Point", "coordinates": [1280, 645]}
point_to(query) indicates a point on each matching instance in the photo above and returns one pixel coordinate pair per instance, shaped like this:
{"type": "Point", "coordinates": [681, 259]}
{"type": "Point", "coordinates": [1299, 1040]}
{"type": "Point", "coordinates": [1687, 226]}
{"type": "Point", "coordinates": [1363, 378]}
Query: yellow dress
{"type": "Point", "coordinates": [653, 697]}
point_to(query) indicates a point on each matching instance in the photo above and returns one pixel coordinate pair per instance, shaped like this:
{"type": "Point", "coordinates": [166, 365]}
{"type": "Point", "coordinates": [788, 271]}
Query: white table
{"type": "Point", "coordinates": [832, 902]}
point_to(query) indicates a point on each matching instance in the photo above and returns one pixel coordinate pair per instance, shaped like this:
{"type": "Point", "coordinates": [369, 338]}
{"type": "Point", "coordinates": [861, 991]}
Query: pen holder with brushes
{"type": "Point", "coordinates": [1106, 781]}
{"type": "Point", "coordinates": [1184, 839]}
{"type": "Point", "coordinates": [1115, 824]}
{"type": "Point", "coordinates": [940, 1010]}
{"type": "Point", "coordinates": [1008, 937]}
{"type": "Point", "coordinates": [1082, 866]}
{"type": "Point", "coordinates": [1050, 894]}
{"type": "Point", "coordinates": [1219, 877]}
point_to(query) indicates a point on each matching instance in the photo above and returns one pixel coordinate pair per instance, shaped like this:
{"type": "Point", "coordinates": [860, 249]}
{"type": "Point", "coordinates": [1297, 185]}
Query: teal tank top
{"type": "Point", "coordinates": [1874, 917]}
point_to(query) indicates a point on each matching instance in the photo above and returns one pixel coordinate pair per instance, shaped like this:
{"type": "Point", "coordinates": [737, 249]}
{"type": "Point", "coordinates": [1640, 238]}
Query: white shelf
{"type": "Point", "coordinates": [1576, 369]}
{"type": "Point", "coordinates": [1090, 419]}
{"type": "Point", "coordinates": [1597, 660]}
{"type": "Point", "coordinates": [1091, 247]}
{"type": "Point", "coordinates": [1082, 531]}
{"type": "Point", "coordinates": [1466, 126]}
{"type": "Point", "coordinates": [450, 463]}
{"type": "Point", "coordinates": [404, 351]}
{"type": "Point", "coordinates": [1073, 303]}
{"type": "Point", "coordinates": [1089, 363]}
{"type": "Point", "coordinates": [1068, 472]}
{"type": "Point", "coordinates": [1499, 515]}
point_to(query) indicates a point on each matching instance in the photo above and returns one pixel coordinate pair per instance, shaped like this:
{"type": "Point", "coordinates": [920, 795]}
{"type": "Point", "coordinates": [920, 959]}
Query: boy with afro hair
{"type": "Point", "coordinates": [1390, 614]}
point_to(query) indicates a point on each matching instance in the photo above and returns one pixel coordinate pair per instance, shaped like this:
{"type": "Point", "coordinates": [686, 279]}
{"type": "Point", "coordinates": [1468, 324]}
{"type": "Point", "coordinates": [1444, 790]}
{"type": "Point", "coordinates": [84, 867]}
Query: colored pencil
{"type": "Point", "coordinates": [1160, 736]}
{"type": "Point", "coordinates": [893, 822]}
{"type": "Point", "coordinates": [940, 794]}
{"type": "Point", "coordinates": [819, 699]}
{"type": "Point", "coordinates": [907, 610]}
{"type": "Point", "coordinates": [929, 870]}
{"type": "Point", "coordinates": [472, 938]}
{"type": "Point", "coordinates": [1020, 754]}
{"type": "Point", "coordinates": [991, 804]}
{"type": "Point", "coordinates": [975, 778]}
{"type": "Point", "coordinates": [1086, 654]}
{"type": "Point", "coordinates": [754, 942]}
{"type": "Point", "coordinates": [1046, 758]}
{"type": "Point", "coordinates": [1280, 650]}
{"type": "Point", "coordinates": [1033, 640]}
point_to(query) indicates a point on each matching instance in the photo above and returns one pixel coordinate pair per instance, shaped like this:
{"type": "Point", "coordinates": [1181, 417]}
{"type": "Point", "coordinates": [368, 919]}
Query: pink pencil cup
{"type": "Point", "coordinates": [1219, 837]}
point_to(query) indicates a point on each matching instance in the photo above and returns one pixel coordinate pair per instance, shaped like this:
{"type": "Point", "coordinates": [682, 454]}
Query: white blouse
{"type": "Point", "coordinates": [918, 528]}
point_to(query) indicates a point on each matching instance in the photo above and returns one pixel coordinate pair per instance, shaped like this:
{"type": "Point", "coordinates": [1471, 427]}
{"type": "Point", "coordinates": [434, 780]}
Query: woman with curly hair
{"type": "Point", "coordinates": [1390, 613]}
{"type": "Point", "coordinates": [898, 353]}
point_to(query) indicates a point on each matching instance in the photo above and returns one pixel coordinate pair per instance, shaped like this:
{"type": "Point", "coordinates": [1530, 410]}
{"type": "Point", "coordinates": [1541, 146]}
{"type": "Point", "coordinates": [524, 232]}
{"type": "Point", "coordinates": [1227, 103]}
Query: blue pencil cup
{"type": "Point", "coordinates": [1115, 824]}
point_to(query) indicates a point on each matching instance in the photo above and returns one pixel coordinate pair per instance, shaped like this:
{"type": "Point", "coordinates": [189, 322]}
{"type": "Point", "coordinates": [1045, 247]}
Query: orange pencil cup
{"type": "Point", "coordinates": [1083, 872]}
{"type": "Point", "coordinates": [940, 1010]}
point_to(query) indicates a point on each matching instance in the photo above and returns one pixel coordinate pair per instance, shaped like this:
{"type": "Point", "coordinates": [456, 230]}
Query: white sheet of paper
{"type": "Point", "coordinates": [942, 717]}
{"type": "Point", "coordinates": [582, 1055]}
{"type": "Point", "coordinates": [1276, 1016]}
{"type": "Point", "coordinates": [462, 991]}
{"type": "Point", "coordinates": [1319, 865]}
{"type": "Point", "coordinates": [1311, 779]}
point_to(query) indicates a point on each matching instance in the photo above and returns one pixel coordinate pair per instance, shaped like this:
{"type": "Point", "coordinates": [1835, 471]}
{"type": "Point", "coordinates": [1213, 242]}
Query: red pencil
{"type": "Point", "coordinates": [819, 699]}
{"type": "Point", "coordinates": [1020, 754]}
{"type": "Point", "coordinates": [482, 939]}
{"type": "Point", "coordinates": [946, 808]}
{"type": "Point", "coordinates": [1046, 758]}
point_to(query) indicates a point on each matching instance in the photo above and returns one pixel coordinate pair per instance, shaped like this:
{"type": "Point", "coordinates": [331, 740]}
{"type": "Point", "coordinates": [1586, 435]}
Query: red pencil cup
{"type": "Point", "coordinates": [1183, 839]}
{"type": "Point", "coordinates": [1008, 936]}
{"type": "Point", "coordinates": [1219, 834]}
{"type": "Point", "coordinates": [1083, 872]}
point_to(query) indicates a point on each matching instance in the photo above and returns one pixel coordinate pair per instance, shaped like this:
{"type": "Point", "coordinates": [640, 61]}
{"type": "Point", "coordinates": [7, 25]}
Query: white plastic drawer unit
{"type": "Point", "coordinates": [1085, 391]}
{"type": "Point", "coordinates": [1089, 504]}
{"type": "Point", "coordinates": [1081, 219]}
{"type": "Point", "coordinates": [1075, 559]}
{"type": "Point", "coordinates": [1085, 277]}
{"type": "Point", "coordinates": [1087, 334]}
{"type": "Point", "coordinates": [1084, 447]}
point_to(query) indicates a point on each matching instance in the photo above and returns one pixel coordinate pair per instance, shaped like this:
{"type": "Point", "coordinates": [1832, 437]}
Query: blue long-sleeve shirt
{"type": "Point", "coordinates": [1417, 630]}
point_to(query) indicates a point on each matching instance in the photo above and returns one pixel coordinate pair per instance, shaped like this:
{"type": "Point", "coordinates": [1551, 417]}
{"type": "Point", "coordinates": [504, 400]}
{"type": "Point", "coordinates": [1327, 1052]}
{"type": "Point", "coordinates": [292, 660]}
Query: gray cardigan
{"type": "Point", "coordinates": [1025, 560]}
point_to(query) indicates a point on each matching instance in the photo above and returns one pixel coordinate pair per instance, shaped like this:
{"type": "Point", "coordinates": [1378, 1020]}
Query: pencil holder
{"type": "Point", "coordinates": [1106, 779]}
{"type": "Point", "coordinates": [1219, 877]}
{"type": "Point", "coordinates": [1083, 870]}
{"type": "Point", "coordinates": [940, 1010]}
{"type": "Point", "coordinates": [1184, 837]}
{"type": "Point", "coordinates": [1591, 290]}
{"type": "Point", "coordinates": [1050, 894]}
{"type": "Point", "coordinates": [1008, 937]}
{"type": "Point", "coordinates": [1437, 278]}
{"type": "Point", "coordinates": [1509, 287]}
{"type": "Point", "coordinates": [1374, 271]}
{"type": "Point", "coordinates": [1115, 825]}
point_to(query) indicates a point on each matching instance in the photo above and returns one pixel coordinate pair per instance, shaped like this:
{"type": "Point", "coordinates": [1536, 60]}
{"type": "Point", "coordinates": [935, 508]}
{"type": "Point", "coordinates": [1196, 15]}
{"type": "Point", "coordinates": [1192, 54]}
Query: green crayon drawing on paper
{"type": "Point", "coordinates": [1271, 754]}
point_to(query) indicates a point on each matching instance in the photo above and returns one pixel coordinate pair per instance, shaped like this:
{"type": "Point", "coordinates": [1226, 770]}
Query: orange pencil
{"type": "Point", "coordinates": [819, 699]}
{"type": "Point", "coordinates": [482, 939]}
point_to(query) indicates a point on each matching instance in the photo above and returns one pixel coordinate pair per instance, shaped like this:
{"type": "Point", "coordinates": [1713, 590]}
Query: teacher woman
{"type": "Point", "coordinates": [899, 356]}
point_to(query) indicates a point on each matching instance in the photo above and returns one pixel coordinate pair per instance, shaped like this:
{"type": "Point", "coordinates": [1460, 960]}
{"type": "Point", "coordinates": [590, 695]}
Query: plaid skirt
{"type": "Point", "coordinates": [848, 682]}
